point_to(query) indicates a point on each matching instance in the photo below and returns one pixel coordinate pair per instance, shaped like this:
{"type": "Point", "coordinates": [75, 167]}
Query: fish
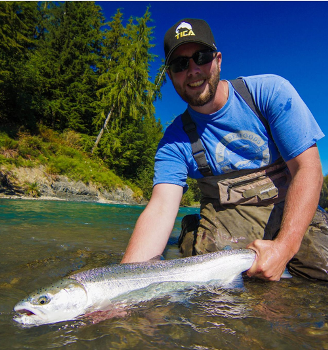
{"type": "Point", "coordinates": [100, 288]}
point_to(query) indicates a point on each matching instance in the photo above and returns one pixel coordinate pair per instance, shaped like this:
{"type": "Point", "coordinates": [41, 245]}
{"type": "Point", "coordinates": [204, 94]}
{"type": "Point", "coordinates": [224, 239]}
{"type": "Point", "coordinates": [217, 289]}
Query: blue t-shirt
{"type": "Point", "coordinates": [235, 138]}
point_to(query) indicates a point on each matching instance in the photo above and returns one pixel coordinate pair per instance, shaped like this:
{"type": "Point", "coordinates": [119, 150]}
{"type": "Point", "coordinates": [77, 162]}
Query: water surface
{"type": "Point", "coordinates": [42, 241]}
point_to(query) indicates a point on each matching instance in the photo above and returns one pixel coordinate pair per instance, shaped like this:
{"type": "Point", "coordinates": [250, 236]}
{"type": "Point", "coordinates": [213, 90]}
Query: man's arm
{"type": "Point", "coordinates": [300, 206]}
{"type": "Point", "coordinates": [155, 224]}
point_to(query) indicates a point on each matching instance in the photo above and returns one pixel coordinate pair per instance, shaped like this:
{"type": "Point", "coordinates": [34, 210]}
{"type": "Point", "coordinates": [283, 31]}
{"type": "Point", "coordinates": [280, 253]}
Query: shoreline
{"type": "Point", "coordinates": [35, 184]}
{"type": "Point", "coordinates": [50, 198]}
{"type": "Point", "coordinates": [100, 201]}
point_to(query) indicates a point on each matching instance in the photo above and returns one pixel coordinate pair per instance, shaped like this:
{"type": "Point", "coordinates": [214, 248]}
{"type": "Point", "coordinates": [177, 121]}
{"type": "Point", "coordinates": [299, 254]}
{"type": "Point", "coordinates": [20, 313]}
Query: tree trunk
{"type": "Point", "coordinates": [102, 130]}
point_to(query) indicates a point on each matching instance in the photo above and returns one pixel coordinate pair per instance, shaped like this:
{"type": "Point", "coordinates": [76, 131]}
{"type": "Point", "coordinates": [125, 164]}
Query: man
{"type": "Point", "coordinates": [250, 196]}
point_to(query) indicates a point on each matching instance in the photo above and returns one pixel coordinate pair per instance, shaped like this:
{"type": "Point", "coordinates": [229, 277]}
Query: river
{"type": "Point", "coordinates": [42, 241]}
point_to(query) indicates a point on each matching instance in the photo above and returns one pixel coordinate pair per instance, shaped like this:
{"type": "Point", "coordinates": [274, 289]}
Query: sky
{"type": "Point", "coordinates": [255, 37]}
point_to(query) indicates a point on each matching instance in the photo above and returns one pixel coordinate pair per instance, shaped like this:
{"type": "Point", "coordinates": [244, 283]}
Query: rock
{"type": "Point", "coordinates": [7, 186]}
{"type": "Point", "coordinates": [119, 194]}
{"type": "Point", "coordinates": [16, 183]}
{"type": "Point", "coordinates": [71, 190]}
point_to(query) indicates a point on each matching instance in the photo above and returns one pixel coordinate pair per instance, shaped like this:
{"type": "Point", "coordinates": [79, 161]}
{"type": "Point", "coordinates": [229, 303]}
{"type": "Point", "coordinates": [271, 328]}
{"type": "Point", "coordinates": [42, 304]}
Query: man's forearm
{"type": "Point", "coordinates": [300, 206]}
{"type": "Point", "coordinates": [149, 238]}
{"type": "Point", "coordinates": [155, 224]}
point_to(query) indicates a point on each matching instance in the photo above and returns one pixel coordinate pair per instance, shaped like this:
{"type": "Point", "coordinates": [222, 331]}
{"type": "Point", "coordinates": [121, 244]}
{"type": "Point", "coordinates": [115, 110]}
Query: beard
{"type": "Point", "coordinates": [202, 98]}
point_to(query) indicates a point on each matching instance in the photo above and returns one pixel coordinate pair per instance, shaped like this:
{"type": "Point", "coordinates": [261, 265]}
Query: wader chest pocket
{"type": "Point", "coordinates": [264, 192]}
{"type": "Point", "coordinates": [255, 188]}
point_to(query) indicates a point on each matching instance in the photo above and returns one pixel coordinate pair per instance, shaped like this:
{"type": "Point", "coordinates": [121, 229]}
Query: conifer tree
{"type": "Point", "coordinates": [111, 54]}
{"type": "Point", "coordinates": [18, 34]}
{"type": "Point", "coordinates": [126, 97]}
{"type": "Point", "coordinates": [61, 67]}
{"type": "Point", "coordinates": [66, 64]}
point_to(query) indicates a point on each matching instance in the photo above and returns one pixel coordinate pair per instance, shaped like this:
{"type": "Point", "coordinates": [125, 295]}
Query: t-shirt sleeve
{"type": "Point", "coordinates": [170, 160]}
{"type": "Point", "coordinates": [292, 125]}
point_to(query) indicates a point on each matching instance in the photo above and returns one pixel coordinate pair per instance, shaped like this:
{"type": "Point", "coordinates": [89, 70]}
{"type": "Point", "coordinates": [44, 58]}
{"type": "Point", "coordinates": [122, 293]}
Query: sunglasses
{"type": "Point", "coordinates": [180, 64]}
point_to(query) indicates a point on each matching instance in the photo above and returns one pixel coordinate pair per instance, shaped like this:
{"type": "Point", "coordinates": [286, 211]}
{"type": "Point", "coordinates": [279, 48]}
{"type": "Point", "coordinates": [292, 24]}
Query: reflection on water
{"type": "Point", "coordinates": [42, 241]}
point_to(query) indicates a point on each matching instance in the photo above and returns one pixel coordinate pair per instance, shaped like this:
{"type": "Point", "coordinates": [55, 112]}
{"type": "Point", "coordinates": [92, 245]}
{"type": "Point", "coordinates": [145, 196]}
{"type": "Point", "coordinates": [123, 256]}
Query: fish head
{"type": "Point", "coordinates": [62, 301]}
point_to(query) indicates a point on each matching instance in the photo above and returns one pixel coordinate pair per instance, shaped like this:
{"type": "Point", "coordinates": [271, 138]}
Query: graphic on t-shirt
{"type": "Point", "coordinates": [240, 150]}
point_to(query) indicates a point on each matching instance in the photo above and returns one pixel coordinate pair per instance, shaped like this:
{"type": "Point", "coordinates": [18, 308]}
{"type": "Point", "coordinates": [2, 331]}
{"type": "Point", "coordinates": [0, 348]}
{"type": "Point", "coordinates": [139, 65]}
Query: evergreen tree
{"type": "Point", "coordinates": [126, 95]}
{"type": "Point", "coordinates": [18, 39]}
{"type": "Point", "coordinates": [66, 65]}
{"type": "Point", "coordinates": [111, 53]}
{"type": "Point", "coordinates": [61, 66]}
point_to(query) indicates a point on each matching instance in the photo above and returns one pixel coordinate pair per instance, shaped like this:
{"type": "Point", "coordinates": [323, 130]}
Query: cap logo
{"type": "Point", "coordinates": [184, 29]}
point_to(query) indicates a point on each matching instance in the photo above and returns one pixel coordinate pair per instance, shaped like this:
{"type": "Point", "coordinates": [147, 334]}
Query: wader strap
{"type": "Point", "coordinates": [190, 128]}
{"type": "Point", "coordinates": [240, 86]}
{"type": "Point", "coordinates": [198, 150]}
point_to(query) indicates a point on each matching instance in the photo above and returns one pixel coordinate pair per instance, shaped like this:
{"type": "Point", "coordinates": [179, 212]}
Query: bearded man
{"type": "Point", "coordinates": [251, 145]}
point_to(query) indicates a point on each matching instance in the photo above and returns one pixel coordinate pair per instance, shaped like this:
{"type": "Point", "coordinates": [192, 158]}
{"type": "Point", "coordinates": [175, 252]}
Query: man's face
{"type": "Point", "coordinates": [197, 84]}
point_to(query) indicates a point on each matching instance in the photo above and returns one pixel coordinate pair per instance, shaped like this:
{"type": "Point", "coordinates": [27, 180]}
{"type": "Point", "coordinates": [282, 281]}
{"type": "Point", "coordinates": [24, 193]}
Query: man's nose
{"type": "Point", "coordinates": [193, 67]}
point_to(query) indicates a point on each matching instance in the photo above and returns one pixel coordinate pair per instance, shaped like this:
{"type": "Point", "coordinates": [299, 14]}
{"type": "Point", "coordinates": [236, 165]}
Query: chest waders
{"type": "Point", "coordinates": [241, 206]}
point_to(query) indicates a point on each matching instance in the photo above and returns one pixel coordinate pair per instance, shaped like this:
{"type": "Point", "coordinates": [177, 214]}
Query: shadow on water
{"type": "Point", "coordinates": [44, 241]}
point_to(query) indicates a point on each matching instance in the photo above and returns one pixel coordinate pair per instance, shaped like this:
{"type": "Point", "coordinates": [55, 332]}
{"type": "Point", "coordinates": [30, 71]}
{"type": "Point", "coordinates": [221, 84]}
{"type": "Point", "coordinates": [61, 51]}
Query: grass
{"type": "Point", "coordinates": [60, 154]}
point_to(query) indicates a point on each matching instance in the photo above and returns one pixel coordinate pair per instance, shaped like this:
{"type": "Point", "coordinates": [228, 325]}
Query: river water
{"type": "Point", "coordinates": [42, 241]}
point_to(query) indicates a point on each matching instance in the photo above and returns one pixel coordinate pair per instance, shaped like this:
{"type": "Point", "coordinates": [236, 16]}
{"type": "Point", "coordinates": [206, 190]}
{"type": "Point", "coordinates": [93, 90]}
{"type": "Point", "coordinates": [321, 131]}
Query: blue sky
{"type": "Point", "coordinates": [285, 38]}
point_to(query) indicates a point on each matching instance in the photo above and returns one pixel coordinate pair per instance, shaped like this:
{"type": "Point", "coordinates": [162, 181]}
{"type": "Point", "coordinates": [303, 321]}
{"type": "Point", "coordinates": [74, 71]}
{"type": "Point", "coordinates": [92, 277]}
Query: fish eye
{"type": "Point", "coordinates": [43, 299]}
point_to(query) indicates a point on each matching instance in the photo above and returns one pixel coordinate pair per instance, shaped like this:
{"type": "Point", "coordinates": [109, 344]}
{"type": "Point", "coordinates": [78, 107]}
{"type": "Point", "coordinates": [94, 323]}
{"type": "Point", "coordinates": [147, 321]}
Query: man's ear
{"type": "Point", "coordinates": [219, 59]}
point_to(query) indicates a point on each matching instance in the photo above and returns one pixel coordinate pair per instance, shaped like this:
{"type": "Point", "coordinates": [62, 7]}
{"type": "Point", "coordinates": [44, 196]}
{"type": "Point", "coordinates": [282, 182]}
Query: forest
{"type": "Point", "coordinates": [66, 70]}
{"type": "Point", "coordinates": [64, 67]}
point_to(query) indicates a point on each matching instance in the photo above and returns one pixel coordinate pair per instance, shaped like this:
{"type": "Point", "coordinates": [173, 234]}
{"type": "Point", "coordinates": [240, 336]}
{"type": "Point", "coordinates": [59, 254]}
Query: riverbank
{"type": "Point", "coordinates": [57, 166]}
{"type": "Point", "coordinates": [60, 166]}
{"type": "Point", "coordinates": [36, 183]}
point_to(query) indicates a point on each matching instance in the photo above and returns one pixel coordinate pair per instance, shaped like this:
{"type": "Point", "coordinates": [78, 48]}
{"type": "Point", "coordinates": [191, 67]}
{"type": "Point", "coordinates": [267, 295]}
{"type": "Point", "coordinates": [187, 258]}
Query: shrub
{"type": "Point", "coordinates": [32, 189]}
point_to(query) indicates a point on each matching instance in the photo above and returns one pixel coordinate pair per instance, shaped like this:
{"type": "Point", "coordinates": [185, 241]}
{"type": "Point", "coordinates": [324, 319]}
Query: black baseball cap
{"type": "Point", "coordinates": [186, 31]}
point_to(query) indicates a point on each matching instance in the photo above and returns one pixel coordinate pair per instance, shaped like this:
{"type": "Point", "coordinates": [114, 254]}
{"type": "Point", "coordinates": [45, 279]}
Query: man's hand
{"type": "Point", "coordinates": [300, 206]}
{"type": "Point", "coordinates": [271, 260]}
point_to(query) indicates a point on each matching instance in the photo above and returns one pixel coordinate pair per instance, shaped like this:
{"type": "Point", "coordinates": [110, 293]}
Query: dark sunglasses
{"type": "Point", "coordinates": [180, 64]}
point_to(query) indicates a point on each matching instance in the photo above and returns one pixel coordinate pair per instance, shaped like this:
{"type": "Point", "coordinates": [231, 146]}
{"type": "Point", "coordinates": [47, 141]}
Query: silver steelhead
{"type": "Point", "coordinates": [97, 289]}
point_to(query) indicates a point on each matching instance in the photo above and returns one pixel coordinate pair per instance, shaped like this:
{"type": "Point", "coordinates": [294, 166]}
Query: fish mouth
{"type": "Point", "coordinates": [24, 312]}
{"type": "Point", "coordinates": [27, 316]}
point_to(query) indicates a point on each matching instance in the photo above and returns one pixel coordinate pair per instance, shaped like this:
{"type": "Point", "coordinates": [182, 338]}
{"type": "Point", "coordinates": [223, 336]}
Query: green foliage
{"type": "Point", "coordinates": [18, 33]}
{"type": "Point", "coordinates": [64, 63]}
{"type": "Point", "coordinates": [62, 155]}
{"type": "Point", "coordinates": [193, 195]}
{"type": "Point", "coordinates": [17, 28]}
{"type": "Point", "coordinates": [324, 194]}
{"type": "Point", "coordinates": [32, 190]}
{"type": "Point", "coordinates": [145, 180]}
{"type": "Point", "coordinates": [7, 142]}
{"type": "Point", "coordinates": [66, 74]}
{"type": "Point", "coordinates": [130, 133]}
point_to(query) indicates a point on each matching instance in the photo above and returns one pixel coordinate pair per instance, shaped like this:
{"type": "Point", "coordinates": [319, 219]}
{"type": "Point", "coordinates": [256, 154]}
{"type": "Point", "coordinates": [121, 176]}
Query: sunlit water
{"type": "Point", "coordinates": [42, 241]}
